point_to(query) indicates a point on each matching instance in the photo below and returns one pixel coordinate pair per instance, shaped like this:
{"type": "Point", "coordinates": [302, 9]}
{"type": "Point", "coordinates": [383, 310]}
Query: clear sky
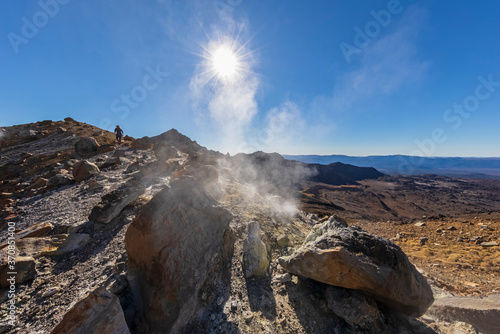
{"type": "Point", "coordinates": [357, 77]}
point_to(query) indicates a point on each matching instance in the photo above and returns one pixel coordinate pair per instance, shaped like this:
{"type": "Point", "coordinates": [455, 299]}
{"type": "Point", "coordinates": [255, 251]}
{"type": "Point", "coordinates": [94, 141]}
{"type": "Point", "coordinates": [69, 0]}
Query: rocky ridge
{"type": "Point", "coordinates": [100, 250]}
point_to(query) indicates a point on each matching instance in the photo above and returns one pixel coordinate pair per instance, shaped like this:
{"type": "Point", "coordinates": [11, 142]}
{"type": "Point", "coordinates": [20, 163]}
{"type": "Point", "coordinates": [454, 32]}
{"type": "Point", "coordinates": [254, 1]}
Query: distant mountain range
{"type": "Point", "coordinates": [411, 165]}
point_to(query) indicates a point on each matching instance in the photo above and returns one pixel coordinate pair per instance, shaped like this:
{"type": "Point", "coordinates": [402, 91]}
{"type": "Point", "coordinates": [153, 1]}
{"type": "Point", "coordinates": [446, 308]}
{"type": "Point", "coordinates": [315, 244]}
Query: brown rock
{"type": "Point", "coordinates": [37, 230]}
{"type": "Point", "coordinates": [352, 258]}
{"type": "Point", "coordinates": [171, 246]}
{"type": "Point", "coordinates": [58, 180]}
{"type": "Point", "coordinates": [52, 245]}
{"type": "Point", "coordinates": [39, 183]}
{"type": "Point", "coordinates": [105, 148]}
{"type": "Point", "coordinates": [141, 144]}
{"type": "Point", "coordinates": [99, 312]}
{"type": "Point", "coordinates": [110, 162]}
{"type": "Point", "coordinates": [83, 170]}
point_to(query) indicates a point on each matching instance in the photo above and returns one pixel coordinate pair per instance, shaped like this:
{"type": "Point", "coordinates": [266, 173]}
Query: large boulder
{"type": "Point", "coordinates": [83, 170]}
{"type": "Point", "coordinates": [171, 245]}
{"type": "Point", "coordinates": [255, 260]}
{"type": "Point", "coordinates": [99, 312]}
{"type": "Point", "coordinates": [113, 203]}
{"type": "Point", "coordinates": [86, 145]}
{"type": "Point", "coordinates": [350, 257]}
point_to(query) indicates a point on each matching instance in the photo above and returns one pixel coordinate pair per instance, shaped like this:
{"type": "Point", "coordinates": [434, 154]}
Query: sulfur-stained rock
{"type": "Point", "coordinates": [171, 246]}
{"type": "Point", "coordinates": [255, 260]}
{"type": "Point", "coordinates": [352, 258]}
{"type": "Point", "coordinates": [99, 312]}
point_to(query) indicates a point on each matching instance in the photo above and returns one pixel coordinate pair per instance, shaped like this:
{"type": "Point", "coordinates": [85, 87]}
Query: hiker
{"type": "Point", "coordinates": [119, 134]}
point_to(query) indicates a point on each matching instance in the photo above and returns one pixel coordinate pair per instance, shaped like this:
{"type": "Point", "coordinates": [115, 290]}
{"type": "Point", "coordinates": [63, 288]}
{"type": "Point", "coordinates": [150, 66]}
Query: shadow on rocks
{"type": "Point", "coordinates": [307, 298]}
{"type": "Point", "coordinates": [214, 294]}
{"type": "Point", "coordinates": [100, 236]}
{"type": "Point", "coordinates": [260, 296]}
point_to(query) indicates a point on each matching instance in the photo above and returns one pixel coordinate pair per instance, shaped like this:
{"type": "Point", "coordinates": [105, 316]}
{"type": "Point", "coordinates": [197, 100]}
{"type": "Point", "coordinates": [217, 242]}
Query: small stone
{"type": "Point", "coordinates": [423, 240]}
{"type": "Point", "coordinates": [234, 306]}
{"type": "Point", "coordinates": [439, 231]}
{"type": "Point", "coordinates": [282, 278]}
{"type": "Point", "coordinates": [50, 292]}
{"type": "Point", "coordinates": [420, 224]}
{"type": "Point", "coordinates": [213, 316]}
{"type": "Point", "coordinates": [489, 244]}
{"type": "Point", "coordinates": [248, 316]}
{"type": "Point", "coordinates": [459, 239]}
{"type": "Point", "coordinates": [220, 300]}
{"type": "Point", "coordinates": [283, 240]}
{"type": "Point", "coordinates": [452, 228]}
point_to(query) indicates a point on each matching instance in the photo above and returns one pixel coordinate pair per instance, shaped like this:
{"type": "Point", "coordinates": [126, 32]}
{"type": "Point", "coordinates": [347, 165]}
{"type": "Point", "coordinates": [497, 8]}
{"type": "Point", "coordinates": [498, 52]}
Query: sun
{"type": "Point", "coordinates": [225, 63]}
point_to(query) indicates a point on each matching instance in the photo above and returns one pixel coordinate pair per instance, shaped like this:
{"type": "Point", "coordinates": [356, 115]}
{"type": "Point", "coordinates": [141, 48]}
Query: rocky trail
{"type": "Point", "coordinates": [161, 235]}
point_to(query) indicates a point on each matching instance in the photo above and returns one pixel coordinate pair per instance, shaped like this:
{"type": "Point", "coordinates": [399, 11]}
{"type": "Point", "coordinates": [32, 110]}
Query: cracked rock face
{"type": "Point", "coordinates": [171, 246]}
{"type": "Point", "coordinates": [350, 257]}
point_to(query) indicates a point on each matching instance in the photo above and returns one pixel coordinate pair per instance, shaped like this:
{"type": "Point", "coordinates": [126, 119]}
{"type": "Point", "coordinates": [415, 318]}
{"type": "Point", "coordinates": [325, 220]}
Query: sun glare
{"type": "Point", "coordinates": [224, 62]}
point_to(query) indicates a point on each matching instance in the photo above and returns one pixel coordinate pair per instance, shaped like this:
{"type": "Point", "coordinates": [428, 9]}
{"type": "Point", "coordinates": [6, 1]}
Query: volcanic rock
{"type": "Point", "coordinates": [163, 151]}
{"type": "Point", "coordinates": [356, 309]}
{"type": "Point", "coordinates": [483, 314]}
{"type": "Point", "coordinates": [208, 176]}
{"type": "Point", "coordinates": [350, 257]}
{"type": "Point", "coordinates": [51, 245]}
{"type": "Point", "coordinates": [86, 145]}
{"type": "Point", "coordinates": [37, 230]}
{"type": "Point", "coordinates": [171, 246]}
{"type": "Point", "coordinates": [110, 162]}
{"type": "Point", "coordinates": [58, 180]}
{"type": "Point", "coordinates": [83, 170]}
{"type": "Point", "coordinates": [24, 269]}
{"type": "Point", "coordinates": [113, 203]}
{"type": "Point", "coordinates": [99, 312]}
{"type": "Point", "coordinates": [255, 260]}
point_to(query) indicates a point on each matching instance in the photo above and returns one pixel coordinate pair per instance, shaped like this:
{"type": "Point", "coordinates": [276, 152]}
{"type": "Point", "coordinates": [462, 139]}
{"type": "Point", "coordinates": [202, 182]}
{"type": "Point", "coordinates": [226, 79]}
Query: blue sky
{"type": "Point", "coordinates": [321, 77]}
